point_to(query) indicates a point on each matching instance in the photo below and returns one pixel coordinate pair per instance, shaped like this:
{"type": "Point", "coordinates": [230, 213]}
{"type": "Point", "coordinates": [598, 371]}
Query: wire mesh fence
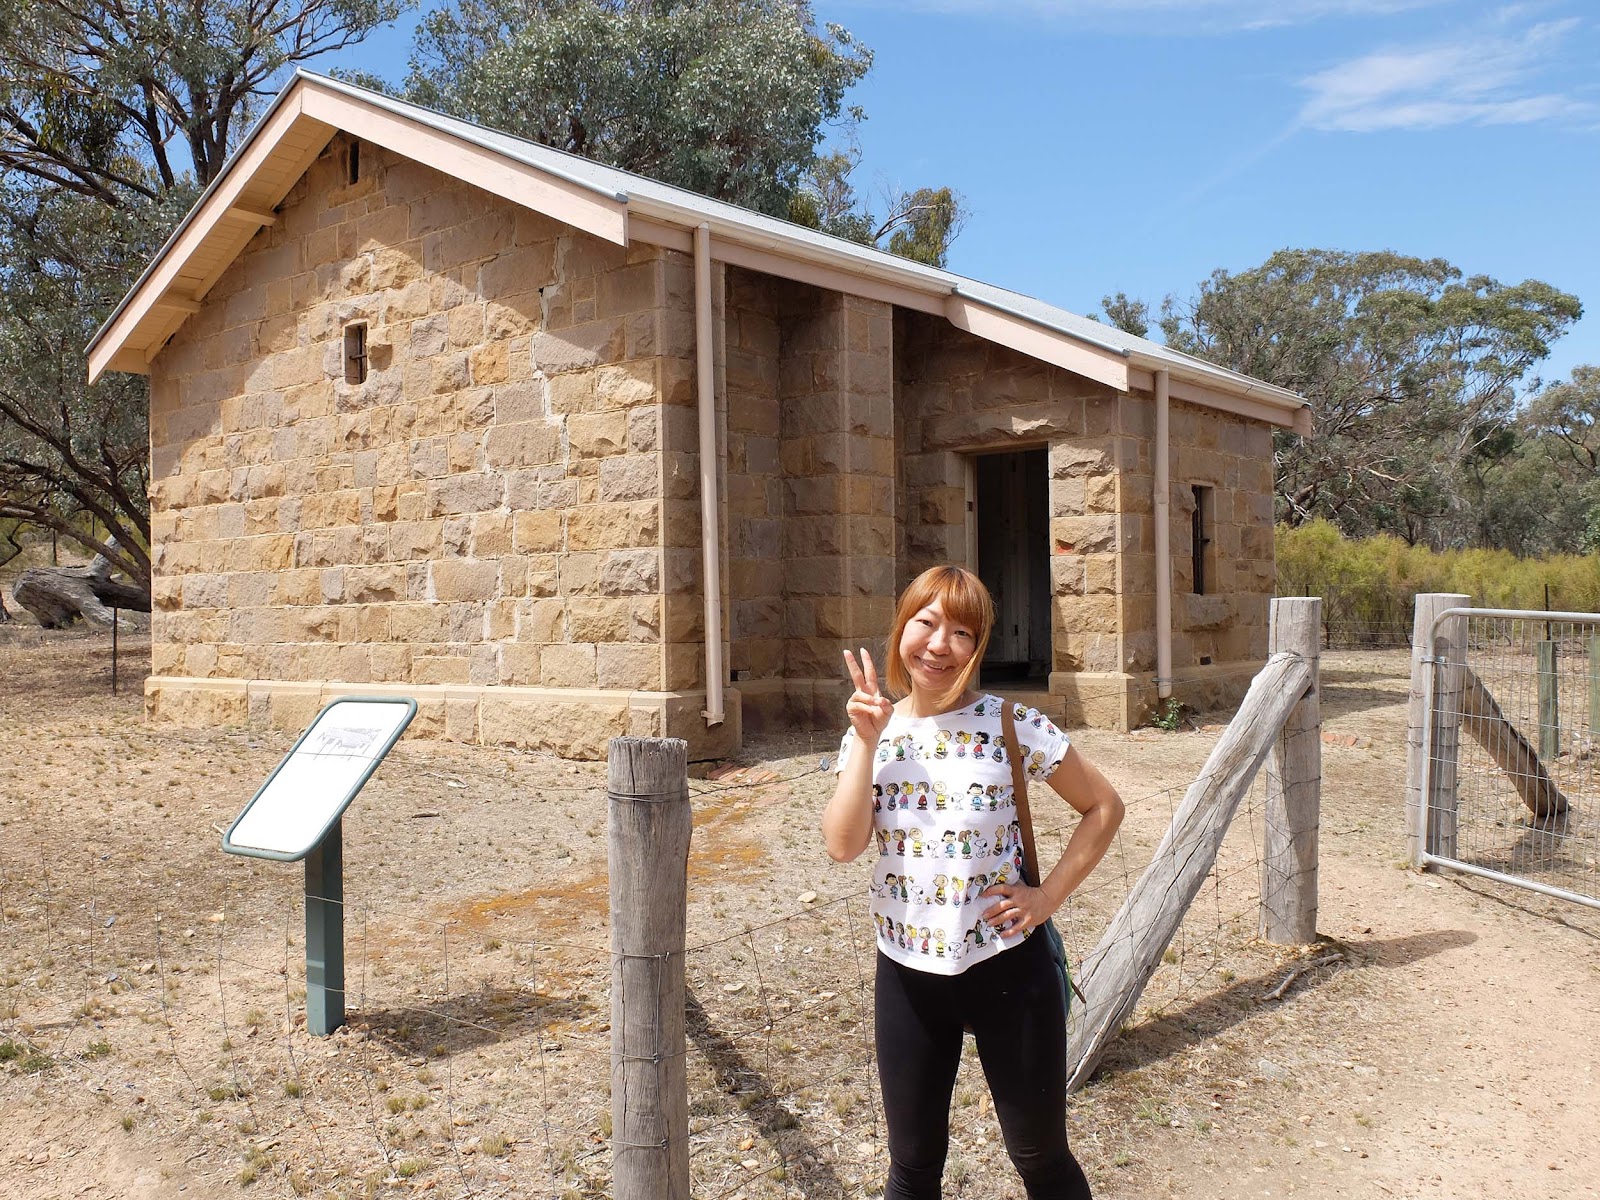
{"type": "Point", "coordinates": [477, 1058]}
{"type": "Point", "coordinates": [1513, 777]}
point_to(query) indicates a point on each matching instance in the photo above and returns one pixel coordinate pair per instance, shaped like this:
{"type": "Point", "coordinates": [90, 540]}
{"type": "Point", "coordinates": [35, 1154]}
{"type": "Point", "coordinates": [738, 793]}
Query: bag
{"type": "Point", "coordinates": [1030, 857]}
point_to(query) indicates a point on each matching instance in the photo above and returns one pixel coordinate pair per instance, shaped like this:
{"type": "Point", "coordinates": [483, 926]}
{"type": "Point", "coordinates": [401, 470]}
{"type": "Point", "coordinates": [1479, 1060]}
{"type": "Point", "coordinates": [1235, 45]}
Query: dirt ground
{"type": "Point", "coordinates": [151, 987]}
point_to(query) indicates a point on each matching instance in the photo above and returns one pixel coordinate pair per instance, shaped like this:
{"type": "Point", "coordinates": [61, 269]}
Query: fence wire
{"type": "Point", "coordinates": [1513, 773]}
{"type": "Point", "coordinates": [477, 1060]}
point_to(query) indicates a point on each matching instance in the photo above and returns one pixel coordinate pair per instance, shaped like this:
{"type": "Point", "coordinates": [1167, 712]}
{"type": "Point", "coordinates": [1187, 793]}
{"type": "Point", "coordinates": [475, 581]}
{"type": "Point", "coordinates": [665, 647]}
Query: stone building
{"type": "Point", "coordinates": [440, 412]}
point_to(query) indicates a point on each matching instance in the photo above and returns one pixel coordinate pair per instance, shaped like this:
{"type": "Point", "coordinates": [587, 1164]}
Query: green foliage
{"type": "Point", "coordinates": [919, 225]}
{"type": "Point", "coordinates": [1169, 715]}
{"type": "Point", "coordinates": [1411, 369]}
{"type": "Point", "coordinates": [729, 98]}
{"type": "Point", "coordinates": [724, 97]}
{"type": "Point", "coordinates": [111, 100]}
{"type": "Point", "coordinates": [1372, 580]}
{"type": "Point", "coordinates": [1128, 315]}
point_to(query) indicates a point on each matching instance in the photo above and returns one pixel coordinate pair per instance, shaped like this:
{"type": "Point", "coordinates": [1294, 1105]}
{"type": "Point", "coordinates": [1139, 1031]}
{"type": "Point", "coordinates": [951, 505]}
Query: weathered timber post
{"type": "Point", "coordinates": [1482, 717]}
{"type": "Point", "coordinates": [1294, 787]}
{"type": "Point", "coordinates": [1129, 951]}
{"type": "Point", "coordinates": [649, 819]}
{"type": "Point", "coordinates": [1431, 819]}
{"type": "Point", "coordinates": [1549, 699]}
{"type": "Point", "coordinates": [1594, 687]}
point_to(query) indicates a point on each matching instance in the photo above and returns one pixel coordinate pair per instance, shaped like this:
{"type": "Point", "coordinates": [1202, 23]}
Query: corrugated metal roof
{"type": "Point", "coordinates": [664, 200]}
{"type": "Point", "coordinates": [624, 185]}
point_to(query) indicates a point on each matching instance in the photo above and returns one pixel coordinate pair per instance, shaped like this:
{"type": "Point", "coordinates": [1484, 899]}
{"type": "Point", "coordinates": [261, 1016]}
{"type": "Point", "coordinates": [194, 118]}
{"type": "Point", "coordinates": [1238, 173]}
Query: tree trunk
{"type": "Point", "coordinates": [58, 596]}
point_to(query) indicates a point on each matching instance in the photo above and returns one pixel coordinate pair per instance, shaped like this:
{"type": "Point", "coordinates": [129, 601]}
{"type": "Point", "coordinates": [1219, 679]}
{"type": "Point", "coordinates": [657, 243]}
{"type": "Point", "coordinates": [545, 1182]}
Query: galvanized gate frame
{"type": "Point", "coordinates": [1426, 856]}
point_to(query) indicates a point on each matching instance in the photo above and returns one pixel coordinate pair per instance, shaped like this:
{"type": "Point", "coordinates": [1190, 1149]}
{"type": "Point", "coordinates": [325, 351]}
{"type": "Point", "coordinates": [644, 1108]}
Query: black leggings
{"type": "Point", "coordinates": [1013, 1003]}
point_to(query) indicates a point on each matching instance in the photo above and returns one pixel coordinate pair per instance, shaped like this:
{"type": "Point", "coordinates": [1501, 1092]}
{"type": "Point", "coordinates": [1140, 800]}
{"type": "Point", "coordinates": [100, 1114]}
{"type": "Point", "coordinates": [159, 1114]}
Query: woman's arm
{"type": "Point", "coordinates": [1080, 783]}
{"type": "Point", "coordinates": [847, 821]}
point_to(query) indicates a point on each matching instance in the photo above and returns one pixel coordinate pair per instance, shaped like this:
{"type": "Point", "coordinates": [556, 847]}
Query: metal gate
{"type": "Point", "coordinates": [1511, 773]}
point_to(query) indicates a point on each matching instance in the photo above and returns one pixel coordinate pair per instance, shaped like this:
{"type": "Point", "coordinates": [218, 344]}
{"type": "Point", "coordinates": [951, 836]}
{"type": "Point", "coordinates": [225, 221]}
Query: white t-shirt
{"type": "Point", "coordinates": [945, 827]}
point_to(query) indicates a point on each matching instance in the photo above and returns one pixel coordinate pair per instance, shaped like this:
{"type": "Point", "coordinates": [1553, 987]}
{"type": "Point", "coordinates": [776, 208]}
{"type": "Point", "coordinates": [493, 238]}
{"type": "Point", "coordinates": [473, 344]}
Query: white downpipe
{"type": "Point", "coordinates": [1163, 517]}
{"type": "Point", "coordinates": [710, 519]}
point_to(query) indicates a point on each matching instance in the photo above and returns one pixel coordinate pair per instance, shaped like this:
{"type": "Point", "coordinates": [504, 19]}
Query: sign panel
{"type": "Point", "coordinates": [314, 784]}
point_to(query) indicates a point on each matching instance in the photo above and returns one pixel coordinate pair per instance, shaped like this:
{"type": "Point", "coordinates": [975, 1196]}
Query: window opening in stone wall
{"type": "Point", "coordinates": [353, 161]}
{"type": "Point", "coordinates": [1201, 522]}
{"type": "Point", "coordinates": [1011, 520]}
{"type": "Point", "coordinates": [355, 352]}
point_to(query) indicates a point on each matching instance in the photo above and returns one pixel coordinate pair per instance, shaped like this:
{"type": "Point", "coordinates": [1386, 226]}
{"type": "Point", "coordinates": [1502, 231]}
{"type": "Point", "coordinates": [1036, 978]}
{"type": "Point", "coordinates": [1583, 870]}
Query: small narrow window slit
{"type": "Point", "coordinates": [353, 161]}
{"type": "Point", "coordinates": [1201, 531]}
{"type": "Point", "coordinates": [355, 352]}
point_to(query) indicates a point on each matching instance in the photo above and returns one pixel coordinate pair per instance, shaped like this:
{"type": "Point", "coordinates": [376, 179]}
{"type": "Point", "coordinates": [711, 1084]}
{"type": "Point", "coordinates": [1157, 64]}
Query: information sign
{"type": "Point", "coordinates": [313, 785]}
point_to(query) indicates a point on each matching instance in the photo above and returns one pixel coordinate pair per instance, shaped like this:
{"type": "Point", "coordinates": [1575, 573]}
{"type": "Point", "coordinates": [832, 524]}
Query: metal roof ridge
{"type": "Point", "coordinates": [1075, 334]}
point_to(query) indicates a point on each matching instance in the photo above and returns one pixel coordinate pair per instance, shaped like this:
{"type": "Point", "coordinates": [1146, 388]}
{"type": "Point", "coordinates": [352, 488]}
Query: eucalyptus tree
{"type": "Point", "coordinates": [918, 224]}
{"type": "Point", "coordinates": [728, 98]}
{"type": "Point", "coordinates": [114, 114]}
{"type": "Point", "coordinates": [1411, 367]}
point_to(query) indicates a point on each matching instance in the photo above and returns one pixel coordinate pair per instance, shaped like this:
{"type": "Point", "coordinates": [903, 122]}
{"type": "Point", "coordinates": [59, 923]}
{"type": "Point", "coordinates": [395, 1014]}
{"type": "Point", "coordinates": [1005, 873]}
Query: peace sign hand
{"type": "Point", "coordinates": [868, 709]}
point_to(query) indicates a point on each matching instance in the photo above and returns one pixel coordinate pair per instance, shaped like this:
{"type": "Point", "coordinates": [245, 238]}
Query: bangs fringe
{"type": "Point", "coordinates": [964, 599]}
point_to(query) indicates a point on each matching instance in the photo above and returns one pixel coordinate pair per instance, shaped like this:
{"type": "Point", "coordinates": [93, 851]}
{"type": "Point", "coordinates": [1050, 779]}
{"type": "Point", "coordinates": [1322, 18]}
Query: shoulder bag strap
{"type": "Point", "coordinates": [1019, 791]}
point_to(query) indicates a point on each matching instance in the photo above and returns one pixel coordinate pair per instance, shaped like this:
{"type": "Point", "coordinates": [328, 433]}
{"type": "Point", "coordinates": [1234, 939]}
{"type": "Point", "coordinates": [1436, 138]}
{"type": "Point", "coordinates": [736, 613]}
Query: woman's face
{"type": "Point", "coordinates": [935, 649]}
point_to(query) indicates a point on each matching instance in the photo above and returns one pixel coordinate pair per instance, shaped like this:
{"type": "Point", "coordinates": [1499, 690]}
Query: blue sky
{"type": "Point", "coordinates": [1137, 145]}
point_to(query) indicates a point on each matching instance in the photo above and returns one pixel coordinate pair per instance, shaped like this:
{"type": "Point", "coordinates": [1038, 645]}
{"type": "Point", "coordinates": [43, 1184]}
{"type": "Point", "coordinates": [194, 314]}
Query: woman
{"type": "Point", "coordinates": [957, 953]}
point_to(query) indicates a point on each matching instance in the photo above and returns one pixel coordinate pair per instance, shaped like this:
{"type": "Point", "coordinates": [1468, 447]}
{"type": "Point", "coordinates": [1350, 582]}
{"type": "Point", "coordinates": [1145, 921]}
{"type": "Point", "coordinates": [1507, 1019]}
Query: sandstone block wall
{"type": "Point", "coordinates": [811, 470]}
{"type": "Point", "coordinates": [958, 395]}
{"type": "Point", "coordinates": [503, 518]}
{"type": "Point", "coordinates": [1220, 636]}
{"type": "Point", "coordinates": [497, 506]}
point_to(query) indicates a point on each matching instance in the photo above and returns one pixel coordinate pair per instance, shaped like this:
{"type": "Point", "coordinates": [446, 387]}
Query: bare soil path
{"type": "Point", "coordinates": [149, 985]}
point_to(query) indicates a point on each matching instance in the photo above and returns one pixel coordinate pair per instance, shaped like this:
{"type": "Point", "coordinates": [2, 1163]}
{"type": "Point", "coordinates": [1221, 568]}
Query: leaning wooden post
{"type": "Point", "coordinates": [649, 818]}
{"type": "Point", "coordinates": [1294, 787]}
{"type": "Point", "coordinates": [1130, 949]}
{"type": "Point", "coordinates": [1430, 820]}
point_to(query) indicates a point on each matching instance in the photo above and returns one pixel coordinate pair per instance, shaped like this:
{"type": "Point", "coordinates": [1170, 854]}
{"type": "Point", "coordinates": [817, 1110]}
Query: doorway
{"type": "Point", "coordinates": [1011, 527]}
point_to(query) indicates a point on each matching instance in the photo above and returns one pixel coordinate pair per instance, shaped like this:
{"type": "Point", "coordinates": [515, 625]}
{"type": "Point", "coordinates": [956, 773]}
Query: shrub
{"type": "Point", "coordinates": [1368, 584]}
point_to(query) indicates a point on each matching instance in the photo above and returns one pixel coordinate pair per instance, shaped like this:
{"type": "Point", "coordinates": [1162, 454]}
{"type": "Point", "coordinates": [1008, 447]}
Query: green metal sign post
{"type": "Point", "coordinates": [297, 814]}
{"type": "Point", "coordinates": [325, 934]}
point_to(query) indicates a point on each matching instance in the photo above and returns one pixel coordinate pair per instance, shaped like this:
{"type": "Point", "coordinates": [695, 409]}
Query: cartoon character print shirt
{"type": "Point", "coordinates": [945, 828]}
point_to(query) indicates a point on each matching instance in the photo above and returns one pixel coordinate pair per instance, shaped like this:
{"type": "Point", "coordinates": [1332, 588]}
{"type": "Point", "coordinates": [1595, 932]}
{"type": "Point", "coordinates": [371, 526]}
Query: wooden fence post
{"type": "Point", "coordinates": [1430, 820]}
{"type": "Point", "coordinates": [649, 829]}
{"type": "Point", "coordinates": [1294, 787]}
{"type": "Point", "coordinates": [1549, 699]}
{"type": "Point", "coordinates": [1594, 687]}
{"type": "Point", "coordinates": [1130, 949]}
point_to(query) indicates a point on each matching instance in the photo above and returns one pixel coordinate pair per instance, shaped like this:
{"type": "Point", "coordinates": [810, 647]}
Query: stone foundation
{"type": "Point", "coordinates": [570, 722]}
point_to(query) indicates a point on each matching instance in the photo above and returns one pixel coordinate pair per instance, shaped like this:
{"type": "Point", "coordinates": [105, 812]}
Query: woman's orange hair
{"type": "Point", "coordinates": [964, 599]}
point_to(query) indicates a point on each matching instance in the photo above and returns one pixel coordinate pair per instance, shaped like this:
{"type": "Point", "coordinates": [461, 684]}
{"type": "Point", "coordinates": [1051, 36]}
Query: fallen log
{"type": "Point", "coordinates": [1483, 718]}
{"type": "Point", "coordinates": [59, 596]}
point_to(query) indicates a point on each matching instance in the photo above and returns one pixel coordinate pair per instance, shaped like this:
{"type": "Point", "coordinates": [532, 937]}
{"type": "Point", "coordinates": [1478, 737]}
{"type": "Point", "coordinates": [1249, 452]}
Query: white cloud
{"type": "Point", "coordinates": [1486, 77]}
{"type": "Point", "coordinates": [1180, 16]}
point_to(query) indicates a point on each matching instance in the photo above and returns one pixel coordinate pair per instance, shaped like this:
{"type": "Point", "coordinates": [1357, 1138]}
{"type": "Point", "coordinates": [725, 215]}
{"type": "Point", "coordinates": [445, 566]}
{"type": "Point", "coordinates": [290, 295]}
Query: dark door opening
{"type": "Point", "coordinates": [1012, 524]}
